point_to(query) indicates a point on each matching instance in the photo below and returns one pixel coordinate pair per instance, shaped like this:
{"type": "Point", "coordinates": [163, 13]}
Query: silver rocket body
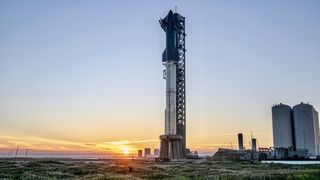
{"type": "Point", "coordinates": [170, 111]}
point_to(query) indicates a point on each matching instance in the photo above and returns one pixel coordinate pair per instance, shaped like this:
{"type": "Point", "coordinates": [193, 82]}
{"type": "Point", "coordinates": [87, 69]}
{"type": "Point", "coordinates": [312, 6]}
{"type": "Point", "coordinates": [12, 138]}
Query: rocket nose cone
{"type": "Point", "coordinates": [170, 16]}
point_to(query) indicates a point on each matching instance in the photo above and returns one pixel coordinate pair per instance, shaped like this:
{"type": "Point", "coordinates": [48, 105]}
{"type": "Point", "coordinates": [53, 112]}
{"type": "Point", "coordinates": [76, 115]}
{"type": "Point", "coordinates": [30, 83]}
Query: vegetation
{"type": "Point", "coordinates": [143, 169]}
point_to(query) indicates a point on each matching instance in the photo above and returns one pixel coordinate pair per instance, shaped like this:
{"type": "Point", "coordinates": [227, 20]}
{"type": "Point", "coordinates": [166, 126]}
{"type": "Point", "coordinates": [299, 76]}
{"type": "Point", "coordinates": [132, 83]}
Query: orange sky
{"type": "Point", "coordinates": [120, 147]}
{"type": "Point", "coordinates": [87, 76]}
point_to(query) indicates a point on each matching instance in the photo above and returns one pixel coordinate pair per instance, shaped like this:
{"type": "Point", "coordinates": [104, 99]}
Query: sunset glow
{"type": "Point", "coordinates": [87, 77]}
{"type": "Point", "coordinates": [125, 151]}
{"type": "Point", "coordinates": [206, 143]}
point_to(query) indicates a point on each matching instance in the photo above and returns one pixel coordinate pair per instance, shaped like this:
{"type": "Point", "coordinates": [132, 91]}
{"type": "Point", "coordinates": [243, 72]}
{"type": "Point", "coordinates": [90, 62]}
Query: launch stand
{"type": "Point", "coordinates": [173, 142]}
{"type": "Point", "coordinates": [171, 147]}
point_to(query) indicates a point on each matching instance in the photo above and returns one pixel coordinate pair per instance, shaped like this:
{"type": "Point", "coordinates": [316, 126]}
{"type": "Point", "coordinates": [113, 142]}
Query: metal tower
{"type": "Point", "coordinates": [173, 143]}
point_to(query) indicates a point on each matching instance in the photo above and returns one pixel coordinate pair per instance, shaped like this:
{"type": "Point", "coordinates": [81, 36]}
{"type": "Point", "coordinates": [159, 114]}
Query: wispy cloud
{"type": "Point", "coordinates": [40, 143]}
{"type": "Point", "coordinates": [127, 142]}
{"type": "Point", "coordinates": [231, 134]}
{"type": "Point", "coordinates": [49, 144]}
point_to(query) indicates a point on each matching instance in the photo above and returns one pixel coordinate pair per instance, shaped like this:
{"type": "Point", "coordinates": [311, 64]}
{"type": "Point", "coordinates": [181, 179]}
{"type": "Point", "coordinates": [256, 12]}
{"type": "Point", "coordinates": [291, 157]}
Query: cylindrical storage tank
{"type": "Point", "coordinates": [317, 130]}
{"type": "Point", "coordinates": [240, 141]}
{"type": "Point", "coordinates": [305, 129]}
{"type": "Point", "coordinates": [282, 125]}
{"type": "Point", "coordinates": [254, 144]}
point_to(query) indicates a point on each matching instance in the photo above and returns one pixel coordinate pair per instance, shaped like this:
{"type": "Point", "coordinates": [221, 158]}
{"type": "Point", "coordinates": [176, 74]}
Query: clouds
{"type": "Point", "coordinates": [126, 142]}
{"type": "Point", "coordinates": [49, 145]}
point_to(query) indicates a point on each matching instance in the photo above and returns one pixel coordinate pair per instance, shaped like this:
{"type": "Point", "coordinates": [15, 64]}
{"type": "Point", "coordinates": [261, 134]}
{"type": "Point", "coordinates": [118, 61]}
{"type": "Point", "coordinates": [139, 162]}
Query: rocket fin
{"type": "Point", "coordinates": [164, 56]}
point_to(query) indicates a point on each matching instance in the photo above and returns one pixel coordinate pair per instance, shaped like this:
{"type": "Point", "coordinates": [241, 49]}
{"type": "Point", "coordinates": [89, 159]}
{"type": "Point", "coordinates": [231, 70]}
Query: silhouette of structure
{"type": "Point", "coordinates": [140, 153]}
{"type": "Point", "coordinates": [156, 152]}
{"type": "Point", "coordinates": [240, 141]}
{"type": "Point", "coordinates": [254, 144]}
{"type": "Point", "coordinates": [173, 142]}
{"type": "Point", "coordinates": [147, 152]}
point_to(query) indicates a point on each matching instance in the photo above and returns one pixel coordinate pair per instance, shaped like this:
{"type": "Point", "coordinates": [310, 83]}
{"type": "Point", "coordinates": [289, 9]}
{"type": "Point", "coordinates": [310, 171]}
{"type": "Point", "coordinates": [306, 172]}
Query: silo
{"type": "Point", "coordinates": [306, 127]}
{"type": "Point", "coordinates": [317, 134]}
{"type": "Point", "coordinates": [254, 144]}
{"type": "Point", "coordinates": [282, 125]}
{"type": "Point", "coordinates": [240, 141]}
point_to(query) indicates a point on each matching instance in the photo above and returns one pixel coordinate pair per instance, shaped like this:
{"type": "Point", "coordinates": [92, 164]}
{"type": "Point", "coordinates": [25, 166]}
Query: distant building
{"type": "Point", "coordinates": [271, 153]}
{"type": "Point", "coordinates": [297, 127]}
{"type": "Point", "coordinates": [139, 153]}
{"type": "Point", "coordinates": [234, 155]}
{"type": "Point", "coordinates": [147, 152]}
{"type": "Point", "coordinates": [156, 152]}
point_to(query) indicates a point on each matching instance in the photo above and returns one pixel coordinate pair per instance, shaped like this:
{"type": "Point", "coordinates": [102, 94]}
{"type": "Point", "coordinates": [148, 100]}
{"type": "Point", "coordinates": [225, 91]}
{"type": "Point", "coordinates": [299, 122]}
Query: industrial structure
{"type": "Point", "coordinates": [173, 142]}
{"type": "Point", "coordinates": [156, 152]}
{"type": "Point", "coordinates": [140, 153]}
{"type": "Point", "coordinates": [296, 136]}
{"type": "Point", "coordinates": [240, 142]}
{"type": "Point", "coordinates": [241, 153]}
{"type": "Point", "coordinates": [255, 154]}
{"type": "Point", "coordinates": [296, 127]}
{"type": "Point", "coordinates": [254, 144]}
{"type": "Point", "coordinates": [282, 125]}
{"type": "Point", "coordinates": [306, 128]}
{"type": "Point", "coordinates": [147, 152]}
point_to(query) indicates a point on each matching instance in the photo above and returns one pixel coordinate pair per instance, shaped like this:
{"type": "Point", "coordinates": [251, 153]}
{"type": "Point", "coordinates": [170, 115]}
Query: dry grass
{"type": "Point", "coordinates": [142, 169]}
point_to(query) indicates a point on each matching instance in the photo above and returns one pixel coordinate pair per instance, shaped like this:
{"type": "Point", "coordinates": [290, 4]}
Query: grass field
{"type": "Point", "coordinates": [143, 169]}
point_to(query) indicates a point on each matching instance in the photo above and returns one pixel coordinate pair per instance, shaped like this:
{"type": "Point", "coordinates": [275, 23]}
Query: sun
{"type": "Point", "coordinates": [125, 151]}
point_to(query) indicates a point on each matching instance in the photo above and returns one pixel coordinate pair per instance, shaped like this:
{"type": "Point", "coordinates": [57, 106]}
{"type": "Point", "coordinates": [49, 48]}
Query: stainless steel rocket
{"type": "Point", "coordinates": [169, 59]}
{"type": "Point", "coordinates": [173, 144]}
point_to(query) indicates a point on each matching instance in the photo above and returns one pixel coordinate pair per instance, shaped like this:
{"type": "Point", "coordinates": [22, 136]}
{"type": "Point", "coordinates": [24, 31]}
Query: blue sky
{"type": "Point", "coordinates": [90, 71]}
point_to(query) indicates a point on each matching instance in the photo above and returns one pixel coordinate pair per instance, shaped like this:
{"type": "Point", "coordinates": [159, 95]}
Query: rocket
{"type": "Point", "coordinates": [169, 59]}
{"type": "Point", "coordinates": [173, 142]}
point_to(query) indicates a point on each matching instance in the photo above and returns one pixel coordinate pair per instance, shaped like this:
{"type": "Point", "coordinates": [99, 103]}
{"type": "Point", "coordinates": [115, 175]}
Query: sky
{"type": "Point", "coordinates": [85, 77]}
